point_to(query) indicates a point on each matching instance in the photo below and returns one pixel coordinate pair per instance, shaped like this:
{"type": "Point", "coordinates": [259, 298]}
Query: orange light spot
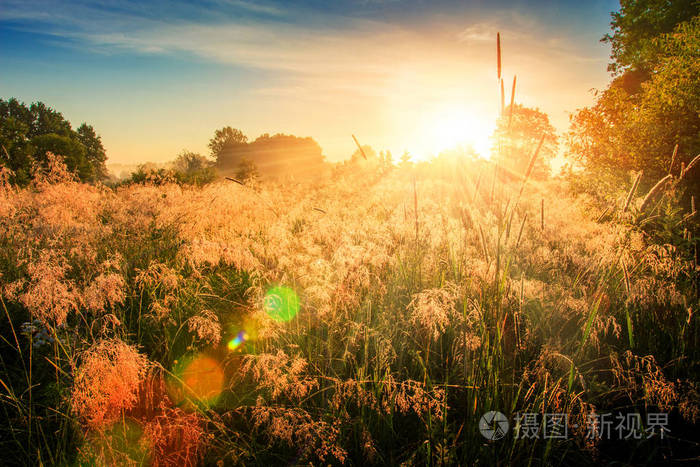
{"type": "Point", "coordinates": [198, 382]}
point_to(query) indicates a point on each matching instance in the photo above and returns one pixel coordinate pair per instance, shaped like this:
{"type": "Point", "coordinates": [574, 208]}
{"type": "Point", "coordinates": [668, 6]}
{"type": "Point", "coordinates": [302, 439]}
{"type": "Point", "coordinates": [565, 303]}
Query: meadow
{"type": "Point", "coordinates": [369, 318]}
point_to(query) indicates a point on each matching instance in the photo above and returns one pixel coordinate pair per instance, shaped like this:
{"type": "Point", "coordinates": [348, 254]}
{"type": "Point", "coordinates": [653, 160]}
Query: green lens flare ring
{"type": "Point", "coordinates": [281, 303]}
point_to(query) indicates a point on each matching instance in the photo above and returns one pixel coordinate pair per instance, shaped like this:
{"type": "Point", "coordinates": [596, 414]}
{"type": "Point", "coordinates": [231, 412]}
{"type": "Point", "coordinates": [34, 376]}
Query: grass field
{"type": "Point", "coordinates": [370, 318]}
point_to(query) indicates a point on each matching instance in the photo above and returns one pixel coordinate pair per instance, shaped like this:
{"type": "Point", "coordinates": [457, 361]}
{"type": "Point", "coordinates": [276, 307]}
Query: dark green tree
{"type": "Point", "coordinates": [28, 132]}
{"type": "Point", "coordinates": [70, 148]}
{"type": "Point", "coordinates": [637, 25]}
{"type": "Point", "coordinates": [94, 151]}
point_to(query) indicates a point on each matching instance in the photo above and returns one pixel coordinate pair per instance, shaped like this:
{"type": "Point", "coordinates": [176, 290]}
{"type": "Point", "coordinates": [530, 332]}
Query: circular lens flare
{"type": "Point", "coordinates": [198, 382]}
{"type": "Point", "coordinates": [281, 304]}
{"type": "Point", "coordinates": [122, 444]}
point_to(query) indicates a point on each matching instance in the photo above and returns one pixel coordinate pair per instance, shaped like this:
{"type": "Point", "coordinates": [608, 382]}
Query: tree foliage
{"type": "Point", "coordinates": [224, 140]}
{"type": "Point", "coordinates": [27, 133]}
{"type": "Point", "coordinates": [274, 155]}
{"type": "Point", "coordinates": [628, 130]}
{"type": "Point", "coordinates": [517, 137]}
{"type": "Point", "coordinates": [247, 170]}
{"type": "Point", "coordinates": [193, 168]}
{"type": "Point", "coordinates": [652, 103]}
{"type": "Point", "coordinates": [637, 25]}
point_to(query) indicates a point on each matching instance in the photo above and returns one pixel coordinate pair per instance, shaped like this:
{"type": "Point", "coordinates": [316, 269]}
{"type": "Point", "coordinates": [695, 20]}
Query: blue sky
{"type": "Point", "coordinates": [158, 77]}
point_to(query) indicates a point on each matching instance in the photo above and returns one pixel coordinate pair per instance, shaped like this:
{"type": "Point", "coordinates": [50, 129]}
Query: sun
{"type": "Point", "coordinates": [450, 127]}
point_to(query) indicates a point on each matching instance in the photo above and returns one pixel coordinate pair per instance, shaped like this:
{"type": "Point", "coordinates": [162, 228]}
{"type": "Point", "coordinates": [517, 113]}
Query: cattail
{"type": "Point", "coordinates": [512, 101]}
{"type": "Point", "coordinates": [673, 158]}
{"type": "Point", "coordinates": [234, 180]}
{"type": "Point", "coordinates": [632, 191]}
{"type": "Point", "coordinates": [503, 99]}
{"type": "Point", "coordinates": [692, 212]}
{"type": "Point", "coordinates": [658, 188]}
{"type": "Point", "coordinates": [359, 147]}
{"type": "Point", "coordinates": [692, 164]}
{"type": "Point", "coordinates": [498, 53]}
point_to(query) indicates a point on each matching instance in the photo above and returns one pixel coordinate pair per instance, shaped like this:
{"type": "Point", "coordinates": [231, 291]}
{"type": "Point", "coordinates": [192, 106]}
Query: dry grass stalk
{"type": "Point", "coordinates": [512, 102]}
{"type": "Point", "coordinates": [520, 233]}
{"type": "Point", "coordinates": [359, 147]}
{"type": "Point", "coordinates": [503, 99]}
{"type": "Point", "coordinates": [632, 191]}
{"type": "Point", "coordinates": [542, 213]}
{"type": "Point", "coordinates": [603, 214]}
{"type": "Point", "coordinates": [658, 188]}
{"type": "Point", "coordinates": [415, 206]}
{"type": "Point", "coordinates": [692, 164]}
{"type": "Point", "coordinates": [673, 158]}
{"type": "Point", "coordinates": [483, 243]}
{"type": "Point", "coordinates": [235, 180]}
{"type": "Point", "coordinates": [476, 187]}
{"type": "Point", "coordinates": [628, 288]}
{"type": "Point", "coordinates": [530, 166]}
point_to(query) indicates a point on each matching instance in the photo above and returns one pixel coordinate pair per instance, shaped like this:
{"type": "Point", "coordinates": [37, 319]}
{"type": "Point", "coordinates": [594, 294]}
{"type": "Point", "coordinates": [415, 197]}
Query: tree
{"type": "Point", "coordinates": [70, 148]}
{"type": "Point", "coordinates": [275, 155]}
{"type": "Point", "coordinates": [27, 133]}
{"type": "Point", "coordinates": [191, 167]}
{"type": "Point", "coordinates": [388, 158]}
{"type": "Point", "coordinates": [188, 161]}
{"type": "Point", "coordinates": [636, 129]}
{"type": "Point", "coordinates": [226, 139]}
{"type": "Point", "coordinates": [516, 137]}
{"type": "Point", "coordinates": [94, 151]}
{"type": "Point", "coordinates": [16, 148]}
{"type": "Point", "coordinates": [45, 120]}
{"type": "Point", "coordinates": [246, 170]}
{"type": "Point", "coordinates": [637, 25]}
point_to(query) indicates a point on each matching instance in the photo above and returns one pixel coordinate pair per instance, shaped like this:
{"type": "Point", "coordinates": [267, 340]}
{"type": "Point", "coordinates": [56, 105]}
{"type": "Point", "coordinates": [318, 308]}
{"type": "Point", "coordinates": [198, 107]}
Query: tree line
{"type": "Point", "coordinates": [27, 133]}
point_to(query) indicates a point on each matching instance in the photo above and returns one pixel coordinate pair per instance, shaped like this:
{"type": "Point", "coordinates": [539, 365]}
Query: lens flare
{"type": "Point", "coordinates": [281, 303]}
{"type": "Point", "coordinates": [122, 444]}
{"type": "Point", "coordinates": [237, 341]}
{"type": "Point", "coordinates": [198, 383]}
